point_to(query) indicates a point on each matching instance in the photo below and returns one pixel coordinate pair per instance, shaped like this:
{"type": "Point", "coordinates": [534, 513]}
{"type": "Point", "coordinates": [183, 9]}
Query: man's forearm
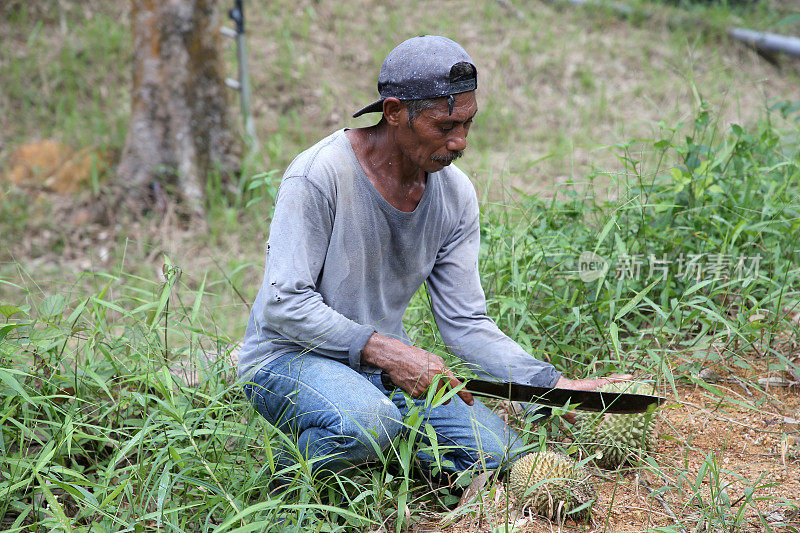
{"type": "Point", "coordinates": [380, 351]}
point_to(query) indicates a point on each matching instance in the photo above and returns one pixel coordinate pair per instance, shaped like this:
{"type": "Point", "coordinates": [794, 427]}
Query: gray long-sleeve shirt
{"type": "Point", "coordinates": [343, 263]}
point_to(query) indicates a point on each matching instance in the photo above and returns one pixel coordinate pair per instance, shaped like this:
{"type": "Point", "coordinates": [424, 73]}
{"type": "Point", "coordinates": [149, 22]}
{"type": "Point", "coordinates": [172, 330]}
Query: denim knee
{"type": "Point", "coordinates": [368, 430]}
{"type": "Point", "coordinates": [335, 415]}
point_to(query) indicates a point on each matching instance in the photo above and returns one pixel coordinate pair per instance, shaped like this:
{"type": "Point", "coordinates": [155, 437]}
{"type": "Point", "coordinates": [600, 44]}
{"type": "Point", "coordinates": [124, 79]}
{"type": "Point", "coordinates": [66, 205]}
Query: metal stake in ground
{"type": "Point", "coordinates": [242, 84]}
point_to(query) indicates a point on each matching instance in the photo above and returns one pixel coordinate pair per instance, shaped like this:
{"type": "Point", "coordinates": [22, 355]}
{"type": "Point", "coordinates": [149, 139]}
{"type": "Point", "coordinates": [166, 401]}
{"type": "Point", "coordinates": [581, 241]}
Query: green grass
{"type": "Point", "coordinates": [66, 86]}
{"type": "Point", "coordinates": [98, 435]}
{"type": "Point", "coordinates": [556, 81]}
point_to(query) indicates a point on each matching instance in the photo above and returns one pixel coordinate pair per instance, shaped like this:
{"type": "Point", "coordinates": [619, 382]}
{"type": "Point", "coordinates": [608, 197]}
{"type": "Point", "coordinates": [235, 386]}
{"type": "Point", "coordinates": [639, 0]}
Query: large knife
{"type": "Point", "coordinates": [607, 402]}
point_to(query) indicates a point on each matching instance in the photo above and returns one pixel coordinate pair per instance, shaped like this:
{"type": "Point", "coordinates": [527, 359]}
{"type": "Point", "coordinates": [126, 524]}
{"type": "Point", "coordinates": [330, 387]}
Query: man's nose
{"type": "Point", "coordinates": [457, 142]}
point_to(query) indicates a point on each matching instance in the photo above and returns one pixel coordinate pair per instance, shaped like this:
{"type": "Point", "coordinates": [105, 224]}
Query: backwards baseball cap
{"type": "Point", "coordinates": [420, 68]}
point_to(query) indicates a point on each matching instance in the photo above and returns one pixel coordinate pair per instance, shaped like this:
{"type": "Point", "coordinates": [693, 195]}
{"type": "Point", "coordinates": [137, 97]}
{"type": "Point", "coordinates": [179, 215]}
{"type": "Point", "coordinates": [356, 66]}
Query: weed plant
{"type": "Point", "coordinates": [98, 432]}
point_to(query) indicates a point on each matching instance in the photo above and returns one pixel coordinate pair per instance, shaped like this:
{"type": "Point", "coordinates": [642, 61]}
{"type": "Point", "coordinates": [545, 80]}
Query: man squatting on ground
{"type": "Point", "coordinates": [362, 219]}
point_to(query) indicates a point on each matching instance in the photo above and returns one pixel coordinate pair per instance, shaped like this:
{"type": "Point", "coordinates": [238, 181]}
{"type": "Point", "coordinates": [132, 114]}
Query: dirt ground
{"type": "Point", "coordinates": [722, 463]}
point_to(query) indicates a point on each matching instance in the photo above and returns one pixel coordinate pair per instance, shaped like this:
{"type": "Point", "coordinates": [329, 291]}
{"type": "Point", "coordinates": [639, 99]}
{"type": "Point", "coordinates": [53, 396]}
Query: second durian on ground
{"type": "Point", "coordinates": [617, 439]}
{"type": "Point", "coordinates": [553, 485]}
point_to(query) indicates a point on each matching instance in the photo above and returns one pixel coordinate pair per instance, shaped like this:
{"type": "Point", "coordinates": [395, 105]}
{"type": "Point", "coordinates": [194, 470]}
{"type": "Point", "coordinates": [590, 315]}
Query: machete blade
{"type": "Point", "coordinates": [608, 402]}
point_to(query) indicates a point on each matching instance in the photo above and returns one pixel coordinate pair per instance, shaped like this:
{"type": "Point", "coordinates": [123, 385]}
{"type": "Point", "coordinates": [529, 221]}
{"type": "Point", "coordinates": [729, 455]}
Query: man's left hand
{"type": "Point", "coordinates": [588, 384]}
{"type": "Point", "coordinates": [591, 384]}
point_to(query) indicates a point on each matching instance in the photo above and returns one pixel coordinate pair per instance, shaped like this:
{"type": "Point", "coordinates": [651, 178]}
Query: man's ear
{"type": "Point", "coordinates": [395, 112]}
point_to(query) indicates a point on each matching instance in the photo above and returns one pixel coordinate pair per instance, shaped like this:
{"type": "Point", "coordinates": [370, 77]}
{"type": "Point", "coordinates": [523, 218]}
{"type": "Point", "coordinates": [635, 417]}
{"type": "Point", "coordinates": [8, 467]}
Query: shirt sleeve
{"type": "Point", "coordinates": [299, 236]}
{"type": "Point", "coordinates": [459, 307]}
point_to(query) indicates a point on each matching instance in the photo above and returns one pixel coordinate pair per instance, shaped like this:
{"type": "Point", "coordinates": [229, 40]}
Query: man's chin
{"type": "Point", "coordinates": [441, 164]}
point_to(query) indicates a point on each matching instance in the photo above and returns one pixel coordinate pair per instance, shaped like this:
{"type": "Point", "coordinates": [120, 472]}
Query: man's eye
{"type": "Point", "coordinates": [447, 129]}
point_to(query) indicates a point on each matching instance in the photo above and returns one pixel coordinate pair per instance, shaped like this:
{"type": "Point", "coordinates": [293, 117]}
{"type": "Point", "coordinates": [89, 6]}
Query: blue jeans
{"type": "Point", "coordinates": [340, 417]}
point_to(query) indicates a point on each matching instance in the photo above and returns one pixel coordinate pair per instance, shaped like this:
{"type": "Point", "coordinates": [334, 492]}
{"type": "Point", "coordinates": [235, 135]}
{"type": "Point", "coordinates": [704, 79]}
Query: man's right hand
{"type": "Point", "coordinates": [410, 368]}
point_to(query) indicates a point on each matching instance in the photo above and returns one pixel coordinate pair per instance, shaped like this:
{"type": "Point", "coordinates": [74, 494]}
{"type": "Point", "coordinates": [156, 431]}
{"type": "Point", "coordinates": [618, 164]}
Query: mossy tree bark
{"type": "Point", "coordinates": [179, 130]}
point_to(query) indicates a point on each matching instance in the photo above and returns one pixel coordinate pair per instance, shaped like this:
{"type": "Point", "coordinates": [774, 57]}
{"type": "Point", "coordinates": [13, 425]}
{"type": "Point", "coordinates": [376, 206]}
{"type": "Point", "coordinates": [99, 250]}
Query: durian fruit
{"type": "Point", "coordinates": [553, 485]}
{"type": "Point", "coordinates": [616, 439]}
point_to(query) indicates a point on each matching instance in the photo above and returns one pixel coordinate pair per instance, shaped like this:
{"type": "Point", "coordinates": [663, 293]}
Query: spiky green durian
{"type": "Point", "coordinates": [615, 439]}
{"type": "Point", "coordinates": [553, 485]}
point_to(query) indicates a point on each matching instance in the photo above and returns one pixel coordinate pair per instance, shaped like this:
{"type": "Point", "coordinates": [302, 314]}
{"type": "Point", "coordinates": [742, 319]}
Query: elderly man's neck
{"type": "Point", "coordinates": [396, 177]}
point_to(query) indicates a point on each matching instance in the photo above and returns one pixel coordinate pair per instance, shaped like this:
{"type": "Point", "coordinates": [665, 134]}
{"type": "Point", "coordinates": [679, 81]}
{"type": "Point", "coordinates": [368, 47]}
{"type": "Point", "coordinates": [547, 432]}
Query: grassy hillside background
{"type": "Point", "coordinates": [559, 88]}
{"type": "Point", "coordinates": [647, 137]}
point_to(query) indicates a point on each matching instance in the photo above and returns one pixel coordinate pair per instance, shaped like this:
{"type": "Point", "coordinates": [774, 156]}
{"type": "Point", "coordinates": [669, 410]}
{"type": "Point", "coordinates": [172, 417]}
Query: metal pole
{"type": "Point", "coordinates": [767, 42]}
{"type": "Point", "coordinates": [242, 84]}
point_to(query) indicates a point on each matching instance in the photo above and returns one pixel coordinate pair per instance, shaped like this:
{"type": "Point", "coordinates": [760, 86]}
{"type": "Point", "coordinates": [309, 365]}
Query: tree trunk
{"type": "Point", "coordinates": [179, 130]}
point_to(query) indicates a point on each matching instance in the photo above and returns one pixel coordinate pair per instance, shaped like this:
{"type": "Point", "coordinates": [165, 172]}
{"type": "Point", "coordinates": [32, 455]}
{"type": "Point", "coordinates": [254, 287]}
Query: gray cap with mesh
{"type": "Point", "coordinates": [419, 68]}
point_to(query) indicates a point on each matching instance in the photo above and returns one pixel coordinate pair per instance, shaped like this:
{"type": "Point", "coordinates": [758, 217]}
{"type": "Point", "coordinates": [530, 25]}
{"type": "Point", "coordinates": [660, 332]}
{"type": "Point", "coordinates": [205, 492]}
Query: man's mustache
{"type": "Point", "coordinates": [447, 159]}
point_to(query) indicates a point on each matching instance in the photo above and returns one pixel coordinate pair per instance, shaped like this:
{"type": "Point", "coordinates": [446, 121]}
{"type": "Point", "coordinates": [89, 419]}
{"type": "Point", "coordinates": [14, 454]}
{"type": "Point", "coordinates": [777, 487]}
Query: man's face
{"type": "Point", "coordinates": [435, 138]}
